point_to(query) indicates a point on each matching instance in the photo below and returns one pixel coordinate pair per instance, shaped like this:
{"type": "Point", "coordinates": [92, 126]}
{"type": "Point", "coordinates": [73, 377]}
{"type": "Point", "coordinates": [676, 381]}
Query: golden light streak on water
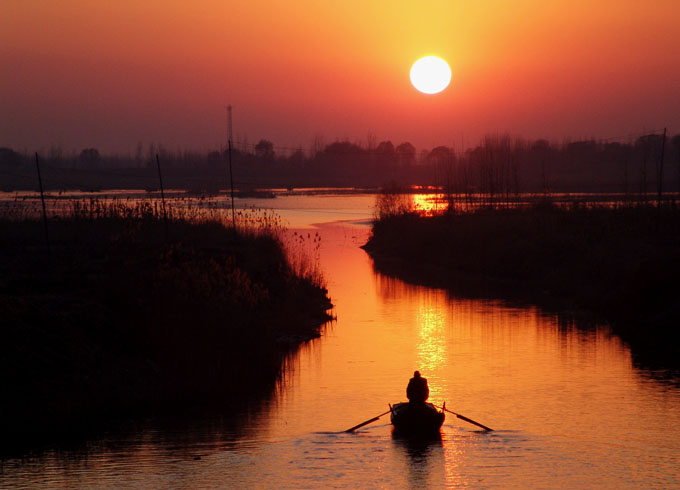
{"type": "Point", "coordinates": [428, 204]}
{"type": "Point", "coordinates": [431, 345]}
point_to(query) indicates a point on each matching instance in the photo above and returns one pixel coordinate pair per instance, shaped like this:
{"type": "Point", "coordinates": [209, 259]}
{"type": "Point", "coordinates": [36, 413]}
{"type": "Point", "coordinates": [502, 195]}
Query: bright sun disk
{"type": "Point", "coordinates": [430, 74]}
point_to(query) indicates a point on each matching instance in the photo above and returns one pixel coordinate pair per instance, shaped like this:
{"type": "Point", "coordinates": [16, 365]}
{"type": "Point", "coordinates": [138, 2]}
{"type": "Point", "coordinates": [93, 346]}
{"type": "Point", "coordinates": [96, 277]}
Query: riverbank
{"type": "Point", "coordinates": [126, 314]}
{"type": "Point", "coordinates": [620, 265]}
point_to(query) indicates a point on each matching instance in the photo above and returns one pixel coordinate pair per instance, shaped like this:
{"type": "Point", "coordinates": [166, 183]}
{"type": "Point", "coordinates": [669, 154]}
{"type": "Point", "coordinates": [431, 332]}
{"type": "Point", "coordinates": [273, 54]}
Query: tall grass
{"type": "Point", "coordinates": [393, 200]}
{"type": "Point", "coordinates": [191, 309]}
{"type": "Point", "coordinates": [621, 260]}
{"type": "Point", "coordinates": [304, 250]}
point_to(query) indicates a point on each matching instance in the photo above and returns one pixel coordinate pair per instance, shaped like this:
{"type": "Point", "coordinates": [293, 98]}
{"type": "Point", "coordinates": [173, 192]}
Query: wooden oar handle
{"type": "Point", "coordinates": [367, 422]}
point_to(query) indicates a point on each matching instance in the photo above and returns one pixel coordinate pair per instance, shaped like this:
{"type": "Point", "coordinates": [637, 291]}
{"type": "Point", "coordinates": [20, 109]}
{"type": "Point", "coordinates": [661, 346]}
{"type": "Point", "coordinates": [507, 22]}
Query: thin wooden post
{"type": "Point", "coordinates": [160, 180]}
{"type": "Point", "coordinates": [643, 183]}
{"type": "Point", "coordinates": [231, 181]}
{"type": "Point", "coordinates": [231, 175]}
{"type": "Point", "coordinates": [660, 173]}
{"type": "Point", "coordinates": [44, 211]}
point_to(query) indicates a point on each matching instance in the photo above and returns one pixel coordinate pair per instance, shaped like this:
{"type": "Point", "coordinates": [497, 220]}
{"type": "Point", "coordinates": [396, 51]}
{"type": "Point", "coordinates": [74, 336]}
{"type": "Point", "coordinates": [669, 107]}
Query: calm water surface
{"type": "Point", "coordinates": [569, 408]}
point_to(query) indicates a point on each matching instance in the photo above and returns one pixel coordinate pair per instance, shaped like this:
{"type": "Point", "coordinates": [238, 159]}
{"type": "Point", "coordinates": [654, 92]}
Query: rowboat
{"type": "Point", "coordinates": [420, 420]}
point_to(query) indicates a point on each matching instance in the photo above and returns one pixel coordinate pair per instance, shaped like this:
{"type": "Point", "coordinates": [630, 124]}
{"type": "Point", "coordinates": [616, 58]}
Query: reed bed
{"type": "Point", "coordinates": [620, 261]}
{"type": "Point", "coordinates": [131, 306]}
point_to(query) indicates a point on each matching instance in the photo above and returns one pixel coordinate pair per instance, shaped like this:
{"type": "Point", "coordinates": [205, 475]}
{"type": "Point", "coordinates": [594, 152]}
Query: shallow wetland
{"type": "Point", "coordinates": [570, 406]}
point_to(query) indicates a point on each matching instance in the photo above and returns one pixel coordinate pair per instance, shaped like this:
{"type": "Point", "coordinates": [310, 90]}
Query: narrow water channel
{"type": "Point", "coordinates": [569, 408]}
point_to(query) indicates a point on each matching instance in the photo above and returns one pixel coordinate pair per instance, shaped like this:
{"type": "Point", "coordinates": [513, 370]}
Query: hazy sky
{"type": "Point", "coordinates": [111, 74]}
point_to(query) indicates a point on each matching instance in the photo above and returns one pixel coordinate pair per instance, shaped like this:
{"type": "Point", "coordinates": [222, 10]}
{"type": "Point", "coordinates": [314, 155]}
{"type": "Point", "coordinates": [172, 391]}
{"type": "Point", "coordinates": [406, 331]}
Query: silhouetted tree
{"type": "Point", "coordinates": [139, 154]}
{"type": "Point", "coordinates": [650, 147]}
{"type": "Point", "coordinates": [9, 158]}
{"type": "Point", "coordinates": [442, 160]}
{"type": "Point", "coordinates": [385, 148]}
{"type": "Point", "coordinates": [675, 140]}
{"type": "Point", "coordinates": [151, 156]}
{"type": "Point", "coordinates": [297, 158]}
{"type": "Point", "coordinates": [264, 149]}
{"type": "Point", "coordinates": [406, 154]}
{"type": "Point", "coordinates": [370, 141]}
{"type": "Point", "coordinates": [385, 157]}
{"type": "Point", "coordinates": [541, 149]}
{"type": "Point", "coordinates": [317, 145]}
{"type": "Point", "coordinates": [440, 154]}
{"type": "Point", "coordinates": [343, 148]}
{"type": "Point", "coordinates": [215, 161]}
{"type": "Point", "coordinates": [89, 157]}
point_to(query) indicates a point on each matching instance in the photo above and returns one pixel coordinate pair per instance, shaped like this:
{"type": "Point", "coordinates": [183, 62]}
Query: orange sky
{"type": "Point", "coordinates": [81, 73]}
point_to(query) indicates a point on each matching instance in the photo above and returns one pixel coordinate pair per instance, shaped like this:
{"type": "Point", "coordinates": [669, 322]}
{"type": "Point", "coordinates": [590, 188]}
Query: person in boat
{"type": "Point", "coordinates": [417, 390]}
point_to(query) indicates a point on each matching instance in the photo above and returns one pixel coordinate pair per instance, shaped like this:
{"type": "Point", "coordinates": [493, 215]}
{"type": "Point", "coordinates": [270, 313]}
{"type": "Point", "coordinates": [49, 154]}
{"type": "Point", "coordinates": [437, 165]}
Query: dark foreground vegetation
{"type": "Point", "coordinates": [126, 314]}
{"type": "Point", "coordinates": [618, 264]}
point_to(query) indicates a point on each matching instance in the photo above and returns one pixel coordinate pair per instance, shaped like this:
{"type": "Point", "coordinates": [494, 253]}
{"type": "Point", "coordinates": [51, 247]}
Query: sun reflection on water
{"type": "Point", "coordinates": [431, 347]}
{"type": "Point", "coordinates": [428, 204]}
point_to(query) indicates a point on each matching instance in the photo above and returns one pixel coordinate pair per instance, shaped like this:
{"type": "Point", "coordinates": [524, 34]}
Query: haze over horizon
{"type": "Point", "coordinates": [90, 74]}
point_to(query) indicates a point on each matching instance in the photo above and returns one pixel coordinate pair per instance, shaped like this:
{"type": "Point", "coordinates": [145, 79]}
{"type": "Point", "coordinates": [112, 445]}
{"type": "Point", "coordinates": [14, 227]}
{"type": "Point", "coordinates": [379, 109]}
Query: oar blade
{"type": "Point", "coordinates": [462, 417]}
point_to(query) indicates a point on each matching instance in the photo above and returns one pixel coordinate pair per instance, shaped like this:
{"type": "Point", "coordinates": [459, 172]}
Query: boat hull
{"type": "Point", "coordinates": [416, 420]}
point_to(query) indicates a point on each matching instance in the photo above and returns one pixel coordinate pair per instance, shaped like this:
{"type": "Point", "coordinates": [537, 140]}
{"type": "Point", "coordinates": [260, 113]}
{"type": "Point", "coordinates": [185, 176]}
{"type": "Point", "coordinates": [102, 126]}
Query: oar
{"type": "Point", "coordinates": [367, 422]}
{"type": "Point", "coordinates": [462, 417]}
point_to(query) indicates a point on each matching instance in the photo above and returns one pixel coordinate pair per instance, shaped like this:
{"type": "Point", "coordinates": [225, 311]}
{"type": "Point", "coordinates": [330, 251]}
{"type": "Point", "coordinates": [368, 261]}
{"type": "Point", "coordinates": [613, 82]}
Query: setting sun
{"type": "Point", "coordinates": [430, 74]}
{"type": "Point", "coordinates": [278, 245]}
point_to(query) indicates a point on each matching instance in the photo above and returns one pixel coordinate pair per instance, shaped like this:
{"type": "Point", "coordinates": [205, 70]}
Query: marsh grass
{"type": "Point", "coordinates": [131, 312]}
{"type": "Point", "coordinates": [393, 200]}
{"type": "Point", "coordinates": [304, 251]}
{"type": "Point", "coordinates": [619, 261]}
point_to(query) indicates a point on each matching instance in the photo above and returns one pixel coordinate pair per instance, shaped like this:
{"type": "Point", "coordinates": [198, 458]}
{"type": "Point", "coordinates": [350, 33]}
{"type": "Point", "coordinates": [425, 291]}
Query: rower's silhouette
{"type": "Point", "coordinates": [417, 390]}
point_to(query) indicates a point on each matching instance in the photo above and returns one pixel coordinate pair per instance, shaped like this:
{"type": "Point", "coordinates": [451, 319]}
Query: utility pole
{"type": "Point", "coordinates": [231, 174]}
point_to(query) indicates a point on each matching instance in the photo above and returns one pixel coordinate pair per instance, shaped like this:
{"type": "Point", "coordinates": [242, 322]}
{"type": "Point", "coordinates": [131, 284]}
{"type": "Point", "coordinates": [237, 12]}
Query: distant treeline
{"type": "Point", "coordinates": [498, 165]}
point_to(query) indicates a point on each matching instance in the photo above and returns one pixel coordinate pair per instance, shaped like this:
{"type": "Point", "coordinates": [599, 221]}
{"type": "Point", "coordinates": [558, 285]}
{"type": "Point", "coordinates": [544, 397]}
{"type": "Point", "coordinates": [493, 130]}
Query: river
{"type": "Point", "coordinates": [569, 407]}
